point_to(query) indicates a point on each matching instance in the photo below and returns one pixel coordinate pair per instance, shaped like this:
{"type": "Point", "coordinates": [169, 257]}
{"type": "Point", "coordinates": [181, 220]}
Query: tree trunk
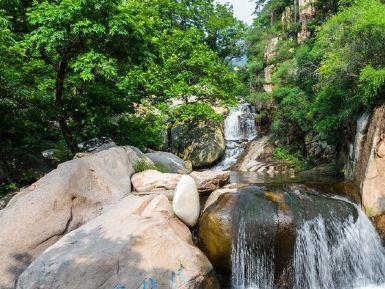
{"type": "Point", "coordinates": [62, 119]}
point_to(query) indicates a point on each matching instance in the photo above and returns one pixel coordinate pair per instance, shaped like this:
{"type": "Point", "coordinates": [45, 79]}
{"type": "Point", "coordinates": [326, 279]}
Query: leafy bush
{"type": "Point", "coordinates": [141, 165]}
{"type": "Point", "coordinates": [351, 49]}
{"type": "Point", "coordinates": [6, 188]}
{"type": "Point", "coordinates": [294, 160]}
{"type": "Point", "coordinates": [143, 131]}
{"type": "Point", "coordinates": [195, 110]}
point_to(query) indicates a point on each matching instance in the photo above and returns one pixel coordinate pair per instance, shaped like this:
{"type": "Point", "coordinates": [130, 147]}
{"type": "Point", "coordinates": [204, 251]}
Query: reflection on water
{"type": "Point", "coordinates": [259, 179]}
{"type": "Point", "coordinates": [324, 184]}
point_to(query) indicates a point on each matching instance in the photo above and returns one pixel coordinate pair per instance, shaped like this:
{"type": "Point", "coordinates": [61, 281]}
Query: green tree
{"type": "Point", "coordinates": [351, 49]}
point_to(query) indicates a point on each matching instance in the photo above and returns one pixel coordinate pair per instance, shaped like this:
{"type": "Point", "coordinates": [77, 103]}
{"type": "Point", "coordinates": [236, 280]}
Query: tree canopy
{"type": "Point", "coordinates": [73, 70]}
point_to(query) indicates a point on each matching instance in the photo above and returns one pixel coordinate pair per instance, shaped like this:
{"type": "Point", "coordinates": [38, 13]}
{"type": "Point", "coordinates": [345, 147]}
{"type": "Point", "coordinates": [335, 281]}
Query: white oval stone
{"type": "Point", "coordinates": [186, 201]}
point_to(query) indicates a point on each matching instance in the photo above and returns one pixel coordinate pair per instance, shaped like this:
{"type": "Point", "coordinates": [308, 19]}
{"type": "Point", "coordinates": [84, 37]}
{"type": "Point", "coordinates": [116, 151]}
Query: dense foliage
{"type": "Point", "coordinates": [72, 70]}
{"type": "Point", "coordinates": [322, 85]}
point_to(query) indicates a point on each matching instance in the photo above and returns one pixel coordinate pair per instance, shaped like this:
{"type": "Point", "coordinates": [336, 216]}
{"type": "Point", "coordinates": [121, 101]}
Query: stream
{"type": "Point", "coordinates": [290, 237]}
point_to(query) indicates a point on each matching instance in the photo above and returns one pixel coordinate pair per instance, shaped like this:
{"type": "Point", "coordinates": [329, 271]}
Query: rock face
{"type": "Point", "coordinates": [61, 201]}
{"type": "Point", "coordinates": [152, 181]}
{"type": "Point", "coordinates": [318, 150]}
{"type": "Point", "coordinates": [271, 48]}
{"type": "Point", "coordinates": [170, 162]}
{"type": "Point", "coordinates": [252, 153]}
{"type": "Point", "coordinates": [269, 86]}
{"type": "Point", "coordinates": [208, 181]}
{"type": "Point", "coordinates": [138, 243]}
{"type": "Point", "coordinates": [370, 166]}
{"type": "Point", "coordinates": [201, 142]}
{"type": "Point", "coordinates": [306, 13]}
{"type": "Point", "coordinates": [271, 215]}
{"type": "Point", "coordinates": [257, 157]}
{"type": "Point", "coordinates": [270, 53]}
{"type": "Point", "coordinates": [186, 201]}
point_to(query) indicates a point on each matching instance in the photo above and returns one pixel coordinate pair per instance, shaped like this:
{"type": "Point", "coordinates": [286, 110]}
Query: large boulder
{"type": "Point", "coordinates": [216, 229]}
{"type": "Point", "coordinates": [208, 181]}
{"type": "Point", "coordinates": [138, 243]}
{"type": "Point", "coordinates": [253, 153]}
{"type": "Point", "coordinates": [170, 162]}
{"type": "Point", "coordinates": [201, 142]}
{"type": "Point", "coordinates": [186, 201]}
{"type": "Point", "coordinates": [153, 181]}
{"type": "Point", "coordinates": [74, 193]}
{"type": "Point", "coordinates": [271, 215]}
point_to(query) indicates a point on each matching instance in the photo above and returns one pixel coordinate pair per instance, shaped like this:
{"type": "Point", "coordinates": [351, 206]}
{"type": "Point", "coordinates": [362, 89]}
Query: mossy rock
{"type": "Point", "coordinates": [201, 142]}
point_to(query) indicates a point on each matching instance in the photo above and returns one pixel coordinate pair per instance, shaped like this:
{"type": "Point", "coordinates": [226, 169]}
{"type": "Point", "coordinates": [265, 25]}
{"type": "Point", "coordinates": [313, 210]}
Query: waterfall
{"type": "Point", "coordinates": [328, 254]}
{"type": "Point", "coordinates": [245, 264]}
{"type": "Point", "coordinates": [355, 147]}
{"type": "Point", "coordinates": [239, 129]}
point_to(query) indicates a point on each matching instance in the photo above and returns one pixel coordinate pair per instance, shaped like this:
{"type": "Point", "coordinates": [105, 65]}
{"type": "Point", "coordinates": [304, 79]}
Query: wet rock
{"type": "Point", "coordinates": [271, 216]}
{"type": "Point", "coordinates": [74, 193]}
{"type": "Point", "coordinates": [186, 201]}
{"type": "Point", "coordinates": [201, 142]}
{"type": "Point", "coordinates": [137, 243]}
{"type": "Point", "coordinates": [216, 231]}
{"type": "Point", "coordinates": [208, 181]}
{"type": "Point", "coordinates": [170, 162]}
{"type": "Point", "coordinates": [152, 180]}
{"type": "Point", "coordinates": [217, 193]}
{"type": "Point", "coordinates": [379, 224]}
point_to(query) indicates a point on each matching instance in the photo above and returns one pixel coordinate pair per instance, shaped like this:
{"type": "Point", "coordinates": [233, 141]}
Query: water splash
{"type": "Point", "coordinates": [240, 123]}
{"type": "Point", "coordinates": [239, 129]}
{"type": "Point", "coordinates": [339, 255]}
{"type": "Point", "coordinates": [247, 261]}
{"type": "Point", "coordinates": [328, 254]}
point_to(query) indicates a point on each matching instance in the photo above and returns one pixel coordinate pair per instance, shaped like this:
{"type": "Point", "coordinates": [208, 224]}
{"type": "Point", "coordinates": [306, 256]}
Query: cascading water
{"type": "Point", "coordinates": [356, 146]}
{"type": "Point", "coordinates": [250, 270]}
{"type": "Point", "coordinates": [328, 254]}
{"type": "Point", "coordinates": [239, 130]}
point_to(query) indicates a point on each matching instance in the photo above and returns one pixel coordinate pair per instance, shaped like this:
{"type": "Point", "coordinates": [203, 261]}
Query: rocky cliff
{"type": "Point", "coordinates": [366, 163]}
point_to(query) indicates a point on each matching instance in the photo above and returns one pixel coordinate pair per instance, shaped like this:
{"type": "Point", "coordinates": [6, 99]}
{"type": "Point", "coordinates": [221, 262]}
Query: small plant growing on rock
{"type": "Point", "coordinates": [141, 165]}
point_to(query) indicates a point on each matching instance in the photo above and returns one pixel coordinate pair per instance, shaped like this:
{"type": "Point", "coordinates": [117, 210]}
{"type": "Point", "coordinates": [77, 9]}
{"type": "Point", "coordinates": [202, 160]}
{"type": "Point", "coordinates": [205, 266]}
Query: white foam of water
{"type": "Point", "coordinates": [362, 123]}
{"type": "Point", "coordinates": [239, 130]}
{"type": "Point", "coordinates": [328, 255]}
{"type": "Point", "coordinates": [251, 271]}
